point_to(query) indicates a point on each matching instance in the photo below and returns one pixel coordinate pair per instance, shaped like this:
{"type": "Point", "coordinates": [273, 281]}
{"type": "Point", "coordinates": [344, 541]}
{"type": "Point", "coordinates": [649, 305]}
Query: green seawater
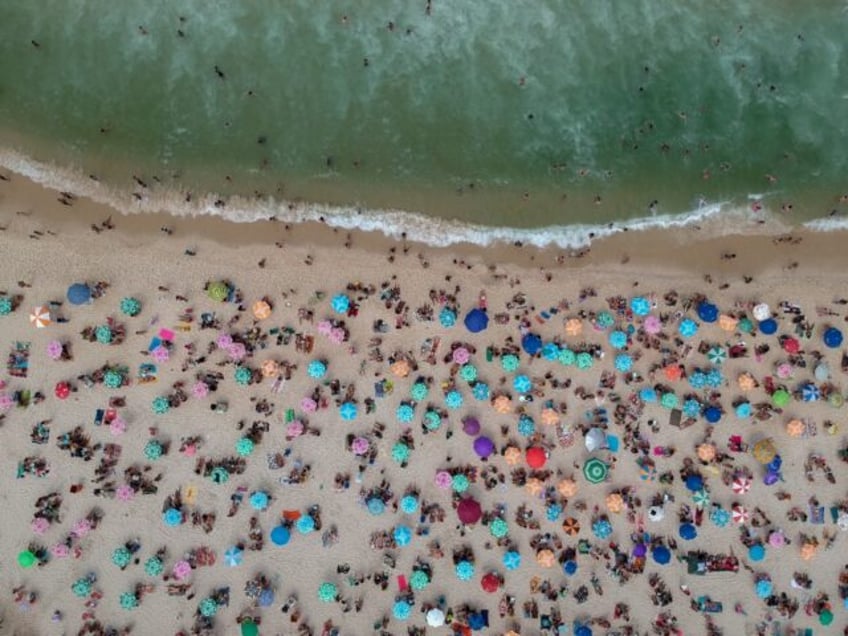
{"type": "Point", "coordinates": [501, 113]}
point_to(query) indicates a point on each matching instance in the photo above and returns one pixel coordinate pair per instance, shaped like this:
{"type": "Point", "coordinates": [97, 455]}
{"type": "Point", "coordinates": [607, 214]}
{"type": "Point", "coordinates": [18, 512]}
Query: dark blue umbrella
{"type": "Point", "coordinates": [712, 414]}
{"type": "Point", "coordinates": [687, 531]}
{"type": "Point", "coordinates": [478, 620]}
{"type": "Point", "coordinates": [707, 312]}
{"type": "Point", "coordinates": [531, 343]}
{"type": "Point", "coordinates": [476, 320]}
{"type": "Point", "coordinates": [569, 567]}
{"type": "Point", "coordinates": [832, 337]}
{"type": "Point", "coordinates": [768, 326]}
{"type": "Point", "coordinates": [694, 482]}
{"type": "Point", "coordinates": [280, 535]}
{"type": "Point", "coordinates": [661, 554]}
{"type": "Point", "coordinates": [583, 630]}
{"type": "Point", "coordinates": [79, 294]}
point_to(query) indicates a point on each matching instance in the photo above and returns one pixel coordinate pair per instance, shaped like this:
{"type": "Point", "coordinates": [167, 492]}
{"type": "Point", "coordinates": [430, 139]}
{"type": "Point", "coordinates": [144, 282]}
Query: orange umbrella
{"type": "Point", "coordinates": [534, 486]}
{"type": "Point", "coordinates": [400, 368]}
{"type": "Point", "coordinates": [502, 404]}
{"type": "Point", "coordinates": [270, 368]}
{"type": "Point", "coordinates": [261, 310]}
{"type": "Point", "coordinates": [728, 323]}
{"type": "Point", "coordinates": [571, 526]}
{"type": "Point", "coordinates": [513, 455]}
{"type": "Point", "coordinates": [615, 502]}
{"type": "Point", "coordinates": [795, 428]}
{"type": "Point", "coordinates": [545, 558]}
{"type": "Point", "coordinates": [746, 382]}
{"type": "Point", "coordinates": [549, 417]}
{"type": "Point", "coordinates": [673, 372]}
{"type": "Point", "coordinates": [706, 452]}
{"type": "Point", "coordinates": [573, 326]}
{"type": "Point", "coordinates": [567, 488]}
{"type": "Point", "coordinates": [40, 316]}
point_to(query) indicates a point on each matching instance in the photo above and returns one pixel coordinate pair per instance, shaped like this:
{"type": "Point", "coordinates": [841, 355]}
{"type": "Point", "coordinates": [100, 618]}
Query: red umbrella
{"type": "Point", "coordinates": [490, 583]}
{"type": "Point", "coordinates": [62, 390]}
{"type": "Point", "coordinates": [536, 457]}
{"type": "Point", "coordinates": [791, 345]}
{"type": "Point", "coordinates": [469, 511]}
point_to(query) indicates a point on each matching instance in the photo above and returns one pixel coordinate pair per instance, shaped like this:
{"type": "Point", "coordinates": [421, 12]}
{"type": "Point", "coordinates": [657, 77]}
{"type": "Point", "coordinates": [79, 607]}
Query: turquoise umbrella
{"type": "Point", "coordinates": [219, 475]}
{"type": "Point", "coordinates": [401, 610]}
{"type": "Point", "coordinates": [405, 413]}
{"type": "Point", "coordinates": [602, 528]}
{"type": "Point", "coordinates": [432, 420]}
{"type": "Point", "coordinates": [509, 362]}
{"type": "Point", "coordinates": [720, 517]}
{"type": "Point", "coordinates": [121, 557]}
{"type": "Point", "coordinates": [128, 600]}
{"type": "Point", "coordinates": [161, 405]}
{"type": "Point", "coordinates": [305, 524]}
{"type": "Point", "coordinates": [376, 506]}
{"type": "Point", "coordinates": [468, 372]}
{"type": "Point", "coordinates": [259, 500]}
{"type": "Point", "coordinates": [81, 587]}
{"type": "Point", "coordinates": [668, 400]}
{"type": "Point", "coordinates": [103, 333]}
{"type": "Point", "coordinates": [480, 391]}
{"type": "Point", "coordinates": [567, 357]}
{"type": "Point", "coordinates": [419, 391]}
{"type": "Point", "coordinates": [605, 320]}
{"type": "Point", "coordinates": [464, 570]}
{"type": "Point", "coordinates": [172, 517]}
{"type": "Point", "coordinates": [244, 446]}
{"type": "Point", "coordinates": [5, 305]}
{"type": "Point", "coordinates": [640, 305]}
{"type": "Point", "coordinates": [623, 363]}
{"type": "Point", "coordinates": [716, 355]}
{"type": "Point", "coordinates": [550, 351]}
{"type": "Point", "coordinates": [154, 566]}
{"type": "Point", "coordinates": [130, 306]}
{"type": "Point", "coordinates": [498, 528]}
{"type": "Point", "coordinates": [526, 426]}
{"type": "Point", "coordinates": [348, 411]}
{"type": "Point", "coordinates": [512, 560]}
{"type": "Point", "coordinates": [208, 607]}
{"type": "Point", "coordinates": [701, 498]}
{"type": "Point", "coordinates": [327, 592]}
{"type": "Point", "coordinates": [688, 328]}
{"type": "Point", "coordinates": [522, 384]}
{"type": "Point", "coordinates": [316, 369]}
{"type": "Point", "coordinates": [400, 452]}
{"type": "Point", "coordinates": [618, 339]}
{"type": "Point", "coordinates": [243, 376]}
{"type": "Point", "coordinates": [447, 318]}
{"type": "Point", "coordinates": [340, 303]}
{"type": "Point", "coordinates": [453, 400]}
{"type": "Point", "coordinates": [459, 483]}
{"type": "Point", "coordinates": [153, 449]}
{"type": "Point", "coordinates": [409, 504]}
{"type": "Point", "coordinates": [584, 360]}
{"type": "Point", "coordinates": [419, 580]}
{"type": "Point", "coordinates": [113, 379]}
{"type": "Point", "coordinates": [402, 535]}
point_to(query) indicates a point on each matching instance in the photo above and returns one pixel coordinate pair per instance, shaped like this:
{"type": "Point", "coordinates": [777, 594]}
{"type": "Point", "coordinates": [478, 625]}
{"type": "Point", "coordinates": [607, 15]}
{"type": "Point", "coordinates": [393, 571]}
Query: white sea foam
{"type": "Point", "coordinates": [721, 217]}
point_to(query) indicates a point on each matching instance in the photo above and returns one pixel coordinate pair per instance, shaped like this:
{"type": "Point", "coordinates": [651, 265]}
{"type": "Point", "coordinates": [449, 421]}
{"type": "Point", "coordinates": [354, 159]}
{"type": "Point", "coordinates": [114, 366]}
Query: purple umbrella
{"type": "Point", "coordinates": [471, 426]}
{"type": "Point", "coordinates": [484, 446]}
{"type": "Point", "coordinates": [640, 550]}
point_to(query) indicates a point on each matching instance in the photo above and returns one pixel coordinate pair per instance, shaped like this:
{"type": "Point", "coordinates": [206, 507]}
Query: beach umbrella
{"type": "Point", "coordinates": [443, 480]}
{"type": "Point", "coordinates": [6, 305]}
{"type": "Point", "coordinates": [595, 438]}
{"type": "Point", "coordinates": [121, 557]}
{"type": "Point", "coordinates": [653, 325]}
{"type": "Point", "coordinates": [614, 502]}
{"type": "Point", "coordinates": [605, 320]}
{"type": "Point", "coordinates": [743, 410]}
{"type": "Point", "coordinates": [790, 344]}
{"type": "Point", "coordinates": [687, 328]}
{"type": "Point", "coordinates": [570, 567]}
{"type": "Point", "coordinates": [531, 343]}
{"type": "Point", "coordinates": [549, 417]}
{"type": "Point", "coordinates": [400, 453]}
{"type": "Point", "coordinates": [435, 617]}
{"type": "Point", "coordinates": [567, 487]}
{"type": "Point", "coordinates": [780, 398]}
{"type": "Point", "coordinates": [691, 408]}
{"type": "Point", "coordinates": [512, 455]}
{"type": "Point", "coordinates": [208, 607]}
{"type": "Point", "coordinates": [526, 426]}
{"type": "Point", "coordinates": [402, 535]}
{"type": "Point", "coordinates": [836, 400]}
{"type": "Point", "coordinates": [484, 446]}
{"type": "Point", "coordinates": [694, 482]}
{"type": "Point", "coordinates": [316, 369]}
{"type": "Point", "coordinates": [512, 560]}
{"type": "Point", "coordinates": [822, 372]}
{"type": "Point", "coordinates": [305, 524]}
{"type": "Point", "coordinates": [219, 475]}
{"type": "Point", "coordinates": [509, 362]}
{"type": "Point", "coordinates": [712, 414]}
{"type": "Point", "coordinates": [327, 592]}
{"type": "Point", "coordinates": [154, 566]}
{"type": "Point", "coordinates": [172, 517]}
{"type": "Point", "coordinates": [476, 320]}
{"type": "Point", "coordinates": [419, 580]}
{"type": "Point", "coordinates": [401, 610]}
{"type": "Point", "coordinates": [130, 306]}
{"type": "Point", "coordinates": [81, 587]}
{"type": "Point", "coordinates": [727, 323]}
{"type": "Point", "coordinates": [259, 500]}
{"type": "Point", "coordinates": [618, 339]}
{"type": "Point", "coordinates": [470, 425]}
{"type": "Point", "coordinates": [522, 384]}
{"type": "Point", "coordinates": [400, 368]}
{"type": "Point", "coordinates": [62, 390]}
{"type": "Point", "coordinates": [405, 413]}
{"type": "Point", "coordinates": [553, 511]}
{"type": "Point", "coordinates": [536, 457]}
{"type": "Point", "coordinates": [584, 360]}
{"type": "Point", "coordinates": [571, 526]}
{"type": "Point", "coordinates": [746, 382]}
{"type": "Point", "coordinates": [464, 570]}
{"type": "Point", "coordinates": [720, 517]}
{"type": "Point", "coordinates": [26, 559]}
{"type": "Point", "coordinates": [756, 552]}
{"type": "Point", "coordinates": [340, 303]}
{"type": "Point", "coordinates": [706, 452]}
{"type": "Point", "coordinates": [160, 405]}
{"type": "Point", "coordinates": [348, 411]}
{"type": "Point", "coordinates": [447, 317]}
{"type": "Point", "coordinates": [55, 349]}
{"type": "Point", "coordinates": [566, 357]}
{"type": "Point", "coordinates": [550, 351]}
{"type": "Point", "coordinates": [79, 294]}
{"type": "Point", "coordinates": [661, 554]}
{"type": "Point", "coordinates": [468, 372]}
{"type": "Point", "coordinates": [640, 305]}
{"type": "Point", "coordinates": [261, 310]}
{"type": "Point", "coordinates": [409, 504]}
{"type": "Point", "coordinates": [764, 588]}
{"type": "Point", "coordinates": [740, 484]}
{"type": "Point", "coordinates": [480, 391]}
{"type": "Point", "coordinates": [668, 400]}
{"type": "Point", "coordinates": [583, 630]}
{"type": "Point", "coordinates": [40, 317]}
{"type": "Point", "coordinates": [266, 597]}
{"type": "Point", "coordinates": [375, 506]}
{"type": "Point", "coordinates": [716, 355]}
{"type": "Point", "coordinates": [233, 556]}
{"type": "Point", "coordinates": [687, 531]}
{"type": "Point", "coordinates": [244, 446]}
{"type": "Point", "coordinates": [595, 470]}
{"type": "Point", "coordinates": [739, 514]}
{"type": "Point", "coordinates": [764, 451]}
{"type": "Point", "coordinates": [623, 363]}
{"type": "Point", "coordinates": [832, 337]}
{"type": "Point", "coordinates": [498, 528]}
{"type": "Point", "coordinates": [490, 583]}
{"type": "Point", "coordinates": [453, 399]}
{"type": "Point", "coordinates": [810, 393]}
{"type": "Point", "coordinates": [601, 528]}
{"type": "Point", "coordinates": [825, 617]}
{"type": "Point", "coordinates": [460, 355]}
{"type": "Point", "coordinates": [648, 394]}
{"type": "Point", "coordinates": [745, 325]}
{"type": "Point", "coordinates": [502, 404]}
{"type": "Point", "coordinates": [218, 291]}
{"type": "Point", "coordinates": [128, 600]}
{"type": "Point", "coordinates": [280, 535]}
{"type": "Point", "coordinates": [546, 558]}
{"type": "Point", "coordinates": [768, 327]}
{"type": "Point", "coordinates": [761, 312]}
{"type": "Point", "coordinates": [707, 312]}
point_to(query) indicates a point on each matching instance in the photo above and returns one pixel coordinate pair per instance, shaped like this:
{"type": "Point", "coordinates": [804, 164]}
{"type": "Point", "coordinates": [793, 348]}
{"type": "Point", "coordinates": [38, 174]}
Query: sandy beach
{"type": "Point", "coordinates": [281, 429]}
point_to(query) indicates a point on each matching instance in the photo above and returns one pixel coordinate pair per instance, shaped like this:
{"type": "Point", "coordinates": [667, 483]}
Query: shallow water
{"type": "Point", "coordinates": [499, 114]}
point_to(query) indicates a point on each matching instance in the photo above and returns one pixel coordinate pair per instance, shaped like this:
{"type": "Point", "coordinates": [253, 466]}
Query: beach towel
{"type": "Point", "coordinates": [18, 361]}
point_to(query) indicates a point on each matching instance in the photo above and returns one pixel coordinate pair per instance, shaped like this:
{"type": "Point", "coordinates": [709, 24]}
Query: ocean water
{"type": "Point", "coordinates": [473, 119]}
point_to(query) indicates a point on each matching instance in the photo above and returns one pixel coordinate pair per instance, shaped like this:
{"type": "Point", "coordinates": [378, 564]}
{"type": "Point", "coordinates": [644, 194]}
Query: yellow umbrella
{"type": "Point", "coordinates": [615, 502]}
{"type": "Point", "coordinates": [567, 488]}
{"type": "Point", "coordinates": [706, 452]}
{"type": "Point", "coordinates": [261, 310]}
{"type": "Point", "coordinates": [270, 368]}
{"type": "Point", "coordinates": [400, 368]}
{"type": "Point", "coordinates": [545, 558]}
{"type": "Point", "coordinates": [502, 404]}
{"type": "Point", "coordinates": [512, 455]}
{"type": "Point", "coordinates": [573, 326]}
{"type": "Point", "coordinates": [746, 382]}
{"type": "Point", "coordinates": [764, 451]}
{"type": "Point", "coordinates": [795, 428]}
{"type": "Point", "coordinates": [728, 323]}
{"type": "Point", "coordinates": [534, 486]}
{"type": "Point", "coordinates": [40, 316]}
{"type": "Point", "coordinates": [549, 417]}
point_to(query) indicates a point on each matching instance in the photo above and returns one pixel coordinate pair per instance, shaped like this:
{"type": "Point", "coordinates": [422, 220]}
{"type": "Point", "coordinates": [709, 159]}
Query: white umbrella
{"type": "Point", "coordinates": [40, 316]}
{"type": "Point", "coordinates": [762, 312]}
{"type": "Point", "coordinates": [656, 513]}
{"type": "Point", "coordinates": [595, 439]}
{"type": "Point", "coordinates": [435, 617]}
{"type": "Point", "coordinates": [822, 372]}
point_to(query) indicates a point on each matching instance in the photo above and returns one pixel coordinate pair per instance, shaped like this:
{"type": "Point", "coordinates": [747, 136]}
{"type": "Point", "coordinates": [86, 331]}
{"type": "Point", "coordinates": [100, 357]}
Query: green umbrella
{"type": "Point", "coordinates": [219, 475]}
{"type": "Point", "coordinates": [468, 372]}
{"type": "Point", "coordinates": [583, 360]}
{"type": "Point", "coordinates": [701, 498]}
{"type": "Point", "coordinates": [419, 391]}
{"type": "Point", "coordinates": [780, 398]}
{"type": "Point", "coordinates": [218, 291]}
{"type": "Point", "coordinates": [153, 450]}
{"type": "Point", "coordinates": [327, 592]}
{"type": "Point", "coordinates": [244, 446]}
{"type": "Point", "coordinates": [208, 607]}
{"type": "Point", "coordinates": [595, 470]}
{"type": "Point", "coordinates": [130, 306]}
{"type": "Point", "coordinates": [717, 355]}
{"type": "Point", "coordinates": [400, 452]}
{"type": "Point", "coordinates": [121, 557]}
{"type": "Point", "coordinates": [498, 528]}
{"type": "Point", "coordinates": [460, 483]}
{"type": "Point", "coordinates": [243, 376]}
{"type": "Point", "coordinates": [26, 559]}
{"type": "Point", "coordinates": [745, 325]}
{"type": "Point", "coordinates": [81, 587]}
{"type": "Point", "coordinates": [509, 362]}
{"type": "Point", "coordinates": [826, 617]}
{"type": "Point", "coordinates": [249, 628]}
{"type": "Point", "coordinates": [128, 600]}
{"type": "Point", "coordinates": [113, 379]}
{"type": "Point", "coordinates": [103, 333]}
{"type": "Point", "coordinates": [419, 580]}
{"type": "Point", "coordinates": [153, 566]}
{"type": "Point", "coordinates": [5, 305]}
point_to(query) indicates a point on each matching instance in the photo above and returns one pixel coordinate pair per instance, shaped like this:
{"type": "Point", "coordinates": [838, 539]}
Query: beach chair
{"type": "Point", "coordinates": [674, 418]}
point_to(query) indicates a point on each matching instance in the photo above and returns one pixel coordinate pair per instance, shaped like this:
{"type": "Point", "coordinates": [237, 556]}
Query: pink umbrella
{"type": "Point", "coordinates": [652, 324]}
{"type": "Point", "coordinates": [325, 327]}
{"type": "Point", "coordinates": [360, 446]}
{"type": "Point", "coordinates": [182, 569]}
{"type": "Point", "coordinates": [125, 493]}
{"type": "Point", "coordinates": [60, 550]}
{"type": "Point", "coordinates": [81, 528]}
{"type": "Point", "coordinates": [39, 525]}
{"type": "Point", "coordinates": [337, 335]}
{"type": "Point", "coordinates": [461, 355]}
{"type": "Point", "coordinates": [6, 401]}
{"type": "Point", "coordinates": [739, 514]}
{"type": "Point", "coordinates": [160, 354]}
{"type": "Point", "coordinates": [741, 485]}
{"type": "Point", "coordinates": [224, 340]}
{"type": "Point", "coordinates": [190, 450]}
{"type": "Point", "coordinates": [294, 429]}
{"type": "Point", "coordinates": [443, 479]}
{"type": "Point", "coordinates": [776, 539]}
{"type": "Point", "coordinates": [784, 370]}
{"type": "Point", "coordinates": [118, 426]}
{"type": "Point", "coordinates": [309, 405]}
{"type": "Point", "coordinates": [200, 389]}
{"type": "Point", "coordinates": [236, 351]}
{"type": "Point", "coordinates": [54, 349]}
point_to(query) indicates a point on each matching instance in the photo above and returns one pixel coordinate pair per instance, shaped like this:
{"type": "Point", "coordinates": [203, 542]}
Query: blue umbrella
{"type": "Point", "coordinates": [553, 511]}
{"type": "Point", "coordinates": [768, 326]}
{"type": "Point", "coordinates": [266, 597]}
{"type": "Point", "coordinates": [512, 560]}
{"type": "Point", "coordinates": [305, 524]}
{"type": "Point", "coordinates": [661, 554]}
{"type": "Point", "coordinates": [476, 320]}
{"type": "Point", "coordinates": [376, 506]}
{"type": "Point", "coordinates": [694, 482]}
{"type": "Point", "coordinates": [640, 306]}
{"type": "Point", "coordinates": [259, 500]}
{"type": "Point", "coordinates": [720, 517]}
{"type": "Point", "coordinates": [172, 517]}
{"type": "Point", "coordinates": [550, 351]}
{"type": "Point", "coordinates": [402, 535]}
{"type": "Point", "coordinates": [687, 531]}
{"type": "Point", "coordinates": [453, 400]}
{"type": "Point", "coordinates": [714, 378]}
{"type": "Point", "coordinates": [480, 391]}
{"type": "Point", "coordinates": [526, 426]}
{"type": "Point", "coordinates": [707, 312]}
{"type": "Point", "coordinates": [623, 363]}
{"type": "Point", "coordinates": [464, 570]}
{"type": "Point", "coordinates": [583, 630]}
{"type": "Point", "coordinates": [810, 393]}
{"type": "Point", "coordinates": [409, 504]}
{"type": "Point", "coordinates": [832, 337]}
{"type": "Point", "coordinates": [401, 610]}
{"type": "Point", "coordinates": [691, 408]}
{"type": "Point", "coordinates": [477, 621]}
{"type": "Point", "coordinates": [688, 328]}
{"type": "Point", "coordinates": [697, 380]}
{"type": "Point", "coordinates": [743, 410]}
{"type": "Point", "coordinates": [340, 303]}
{"type": "Point", "coordinates": [316, 369]}
{"type": "Point", "coordinates": [522, 384]}
{"type": "Point", "coordinates": [602, 528]}
{"type": "Point", "coordinates": [618, 339]}
{"type": "Point", "coordinates": [233, 556]}
{"type": "Point", "coordinates": [712, 414]}
{"type": "Point", "coordinates": [405, 413]}
{"type": "Point", "coordinates": [570, 568]}
{"type": "Point", "coordinates": [447, 317]}
{"type": "Point", "coordinates": [756, 552]}
{"type": "Point", "coordinates": [79, 294]}
{"type": "Point", "coordinates": [531, 343]}
{"type": "Point", "coordinates": [348, 411]}
{"type": "Point", "coordinates": [280, 535]}
{"type": "Point", "coordinates": [764, 588]}
{"type": "Point", "coordinates": [648, 394]}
